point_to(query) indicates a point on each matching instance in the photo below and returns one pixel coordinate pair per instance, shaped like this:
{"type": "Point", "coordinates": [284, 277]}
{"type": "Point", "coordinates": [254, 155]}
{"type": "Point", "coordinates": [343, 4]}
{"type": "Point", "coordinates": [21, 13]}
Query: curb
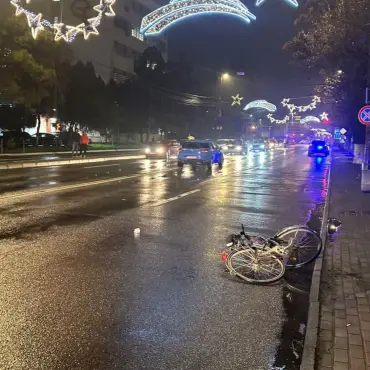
{"type": "Point", "coordinates": [66, 152]}
{"type": "Point", "coordinates": [18, 165]}
{"type": "Point", "coordinates": [310, 342]}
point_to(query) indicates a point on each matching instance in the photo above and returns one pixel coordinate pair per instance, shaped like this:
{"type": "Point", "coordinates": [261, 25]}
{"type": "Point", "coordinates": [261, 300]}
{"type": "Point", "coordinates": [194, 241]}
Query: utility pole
{"type": "Point", "coordinates": [365, 173]}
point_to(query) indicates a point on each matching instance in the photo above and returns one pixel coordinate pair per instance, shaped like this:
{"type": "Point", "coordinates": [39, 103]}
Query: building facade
{"type": "Point", "coordinates": [113, 52]}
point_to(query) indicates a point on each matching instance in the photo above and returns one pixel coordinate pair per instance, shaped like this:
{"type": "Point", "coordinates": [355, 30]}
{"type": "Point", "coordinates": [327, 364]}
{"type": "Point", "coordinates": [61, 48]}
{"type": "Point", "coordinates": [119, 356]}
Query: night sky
{"type": "Point", "coordinates": [222, 41]}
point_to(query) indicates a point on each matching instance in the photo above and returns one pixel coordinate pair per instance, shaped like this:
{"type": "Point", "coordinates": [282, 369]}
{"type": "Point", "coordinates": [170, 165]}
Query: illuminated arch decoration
{"type": "Point", "coordinates": [161, 18]}
{"type": "Point", "coordinates": [68, 33]}
{"type": "Point", "coordinates": [293, 3]}
{"type": "Point", "coordinates": [261, 104]}
{"type": "Point", "coordinates": [309, 119]}
{"type": "Point", "coordinates": [278, 121]}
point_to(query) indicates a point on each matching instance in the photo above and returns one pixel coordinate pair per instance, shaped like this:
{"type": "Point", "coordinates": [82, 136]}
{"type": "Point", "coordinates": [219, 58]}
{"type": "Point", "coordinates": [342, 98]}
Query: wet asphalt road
{"type": "Point", "coordinates": [80, 291]}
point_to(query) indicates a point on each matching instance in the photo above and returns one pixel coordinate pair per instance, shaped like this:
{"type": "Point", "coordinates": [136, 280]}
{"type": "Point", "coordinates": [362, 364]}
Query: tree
{"type": "Point", "coordinates": [336, 42]}
{"type": "Point", "coordinates": [28, 67]}
{"type": "Point", "coordinates": [85, 98]}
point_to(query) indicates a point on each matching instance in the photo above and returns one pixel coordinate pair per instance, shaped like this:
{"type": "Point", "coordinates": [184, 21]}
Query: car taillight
{"type": "Point", "coordinates": [204, 151]}
{"type": "Point", "coordinates": [180, 149]}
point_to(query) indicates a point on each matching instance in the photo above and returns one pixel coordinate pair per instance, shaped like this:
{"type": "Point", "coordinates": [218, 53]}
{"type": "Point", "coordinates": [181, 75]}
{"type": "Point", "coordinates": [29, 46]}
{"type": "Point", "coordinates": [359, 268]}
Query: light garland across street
{"type": "Point", "coordinates": [38, 23]}
{"type": "Point", "coordinates": [278, 121]}
{"type": "Point", "coordinates": [163, 17]}
{"type": "Point", "coordinates": [301, 108]}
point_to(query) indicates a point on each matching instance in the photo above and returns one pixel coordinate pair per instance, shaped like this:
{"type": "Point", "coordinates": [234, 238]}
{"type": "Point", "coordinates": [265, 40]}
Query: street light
{"type": "Point", "coordinates": [225, 77]}
{"type": "Point", "coordinates": [340, 72]}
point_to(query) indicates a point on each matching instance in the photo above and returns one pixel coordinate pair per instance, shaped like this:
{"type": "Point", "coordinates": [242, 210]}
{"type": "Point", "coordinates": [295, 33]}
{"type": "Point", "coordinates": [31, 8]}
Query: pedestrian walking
{"type": "Point", "coordinates": [84, 141]}
{"type": "Point", "coordinates": [75, 143]}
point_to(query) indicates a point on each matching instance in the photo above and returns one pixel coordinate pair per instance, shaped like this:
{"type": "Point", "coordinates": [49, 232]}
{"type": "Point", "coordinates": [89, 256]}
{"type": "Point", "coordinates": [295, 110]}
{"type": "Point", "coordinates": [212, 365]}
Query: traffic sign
{"type": "Point", "coordinates": [364, 115]}
{"type": "Point", "coordinates": [337, 134]}
{"type": "Point", "coordinates": [343, 131]}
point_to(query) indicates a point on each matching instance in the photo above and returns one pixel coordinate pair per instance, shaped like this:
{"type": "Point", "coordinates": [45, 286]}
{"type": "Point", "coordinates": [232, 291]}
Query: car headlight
{"type": "Point", "coordinates": [159, 150]}
{"type": "Point", "coordinates": [238, 148]}
{"type": "Point", "coordinates": [262, 146]}
{"type": "Point", "coordinates": [225, 147]}
{"type": "Point", "coordinates": [147, 150]}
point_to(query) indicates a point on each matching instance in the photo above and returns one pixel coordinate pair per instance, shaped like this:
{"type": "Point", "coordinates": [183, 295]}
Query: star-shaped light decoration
{"type": "Point", "coordinates": [105, 7]}
{"type": "Point", "coordinates": [236, 100]}
{"type": "Point", "coordinates": [324, 116]}
{"type": "Point", "coordinates": [18, 7]}
{"type": "Point", "coordinates": [34, 22]}
{"type": "Point", "coordinates": [62, 32]}
{"type": "Point", "coordinates": [290, 2]}
{"type": "Point", "coordinates": [89, 28]}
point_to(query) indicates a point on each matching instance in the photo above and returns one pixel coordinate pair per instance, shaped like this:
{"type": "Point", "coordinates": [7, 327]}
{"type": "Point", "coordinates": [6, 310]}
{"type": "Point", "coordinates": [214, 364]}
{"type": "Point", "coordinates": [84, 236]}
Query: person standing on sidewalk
{"type": "Point", "coordinates": [75, 142]}
{"type": "Point", "coordinates": [84, 141]}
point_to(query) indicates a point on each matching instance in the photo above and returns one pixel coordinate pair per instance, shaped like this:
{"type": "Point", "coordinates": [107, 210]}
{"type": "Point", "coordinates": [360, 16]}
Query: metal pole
{"type": "Point", "coordinates": [365, 173]}
{"type": "Point", "coordinates": [1, 146]}
{"type": "Point", "coordinates": [24, 145]}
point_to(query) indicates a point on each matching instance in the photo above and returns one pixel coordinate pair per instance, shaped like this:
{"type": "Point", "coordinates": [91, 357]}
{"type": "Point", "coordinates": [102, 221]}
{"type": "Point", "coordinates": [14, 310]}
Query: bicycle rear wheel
{"type": "Point", "coordinates": [304, 245]}
{"type": "Point", "coordinates": [256, 267]}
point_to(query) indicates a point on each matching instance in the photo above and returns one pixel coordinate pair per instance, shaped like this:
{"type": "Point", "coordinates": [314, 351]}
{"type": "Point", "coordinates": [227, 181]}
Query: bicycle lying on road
{"type": "Point", "coordinates": [259, 260]}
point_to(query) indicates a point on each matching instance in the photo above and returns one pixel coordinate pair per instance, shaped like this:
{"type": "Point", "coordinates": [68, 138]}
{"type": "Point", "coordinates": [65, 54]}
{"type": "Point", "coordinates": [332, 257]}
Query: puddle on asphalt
{"type": "Point", "coordinates": [296, 303]}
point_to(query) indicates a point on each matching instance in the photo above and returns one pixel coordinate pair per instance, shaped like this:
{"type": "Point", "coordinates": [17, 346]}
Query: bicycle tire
{"type": "Point", "coordinates": [250, 257]}
{"type": "Point", "coordinates": [316, 246]}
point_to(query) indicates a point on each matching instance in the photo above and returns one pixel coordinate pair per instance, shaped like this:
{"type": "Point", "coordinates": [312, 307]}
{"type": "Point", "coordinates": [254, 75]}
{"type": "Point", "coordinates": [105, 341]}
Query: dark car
{"type": "Point", "coordinates": [258, 146]}
{"type": "Point", "coordinates": [318, 148]}
{"type": "Point", "coordinates": [45, 140]}
{"type": "Point", "coordinates": [15, 139]}
{"type": "Point", "coordinates": [162, 149]}
{"type": "Point", "coordinates": [231, 146]}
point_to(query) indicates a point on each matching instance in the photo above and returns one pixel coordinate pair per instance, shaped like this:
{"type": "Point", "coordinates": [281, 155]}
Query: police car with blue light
{"type": "Point", "coordinates": [318, 148]}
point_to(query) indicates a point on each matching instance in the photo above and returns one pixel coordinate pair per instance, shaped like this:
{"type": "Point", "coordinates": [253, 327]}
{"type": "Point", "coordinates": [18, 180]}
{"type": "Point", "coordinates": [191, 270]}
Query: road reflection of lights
{"type": "Point", "coordinates": [272, 154]}
{"type": "Point", "coordinates": [160, 165]}
{"type": "Point", "coordinates": [52, 183]}
{"type": "Point", "coordinates": [250, 158]}
{"type": "Point", "coordinates": [262, 158]}
{"type": "Point", "coordinates": [147, 165]}
{"type": "Point", "coordinates": [187, 172]}
{"type": "Point", "coordinates": [238, 164]}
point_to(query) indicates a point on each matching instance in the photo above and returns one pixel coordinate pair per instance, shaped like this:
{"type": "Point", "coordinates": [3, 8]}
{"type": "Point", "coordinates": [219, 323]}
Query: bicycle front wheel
{"type": "Point", "coordinates": [303, 245]}
{"type": "Point", "coordinates": [255, 266]}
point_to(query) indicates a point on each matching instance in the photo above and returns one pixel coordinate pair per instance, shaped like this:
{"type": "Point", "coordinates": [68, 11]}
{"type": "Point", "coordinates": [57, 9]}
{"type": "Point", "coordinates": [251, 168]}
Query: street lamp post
{"type": "Point", "coordinates": [365, 173]}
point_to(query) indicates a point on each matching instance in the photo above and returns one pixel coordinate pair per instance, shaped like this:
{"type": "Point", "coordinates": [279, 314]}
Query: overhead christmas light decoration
{"type": "Point", "coordinates": [236, 100]}
{"type": "Point", "coordinates": [165, 16]}
{"type": "Point", "coordinates": [63, 31]}
{"type": "Point", "coordinates": [290, 2]}
{"type": "Point", "coordinates": [261, 104]}
{"type": "Point", "coordinates": [301, 108]}
{"type": "Point", "coordinates": [278, 121]}
{"type": "Point", "coordinates": [309, 119]}
{"type": "Point", "coordinates": [324, 117]}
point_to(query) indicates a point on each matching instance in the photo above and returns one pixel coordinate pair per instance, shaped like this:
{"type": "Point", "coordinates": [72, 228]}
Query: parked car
{"type": "Point", "coordinates": [45, 140]}
{"type": "Point", "coordinates": [15, 139]}
{"type": "Point", "coordinates": [231, 146]}
{"type": "Point", "coordinates": [204, 152]}
{"type": "Point", "coordinates": [318, 148]}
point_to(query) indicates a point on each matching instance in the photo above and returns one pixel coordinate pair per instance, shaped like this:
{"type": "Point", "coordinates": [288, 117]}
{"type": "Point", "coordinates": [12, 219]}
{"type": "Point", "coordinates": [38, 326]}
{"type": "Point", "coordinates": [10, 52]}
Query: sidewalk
{"type": "Point", "coordinates": [344, 336]}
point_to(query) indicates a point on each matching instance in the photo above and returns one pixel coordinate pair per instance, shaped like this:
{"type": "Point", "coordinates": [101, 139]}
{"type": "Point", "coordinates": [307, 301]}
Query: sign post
{"type": "Point", "coordinates": [364, 118]}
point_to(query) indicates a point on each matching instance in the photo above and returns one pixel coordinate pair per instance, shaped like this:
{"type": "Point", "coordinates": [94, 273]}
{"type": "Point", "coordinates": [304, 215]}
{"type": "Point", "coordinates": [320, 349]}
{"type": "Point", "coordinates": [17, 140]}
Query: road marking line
{"type": "Point", "coordinates": [81, 185]}
{"type": "Point", "coordinates": [161, 202]}
{"type": "Point", "coordinates": [104, 165]}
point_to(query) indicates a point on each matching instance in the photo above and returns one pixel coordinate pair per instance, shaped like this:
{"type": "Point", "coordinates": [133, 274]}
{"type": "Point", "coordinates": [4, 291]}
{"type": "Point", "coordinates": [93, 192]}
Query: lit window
{"type": "Point", "coordinates": [135, 32]}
